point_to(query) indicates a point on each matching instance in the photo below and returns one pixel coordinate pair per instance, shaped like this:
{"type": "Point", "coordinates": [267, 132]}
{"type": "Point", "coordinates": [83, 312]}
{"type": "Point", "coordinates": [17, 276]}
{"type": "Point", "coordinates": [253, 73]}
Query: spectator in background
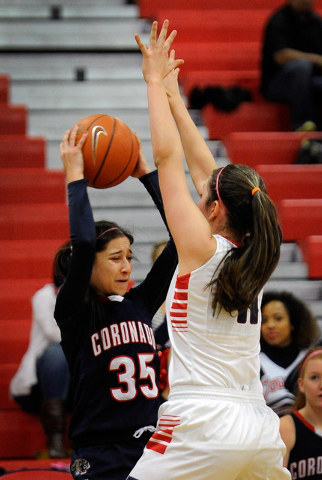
{"type": "Point", "coordinates": [288, 329]}
{"type": "Point", "coordinates": [301, 431]}
{"type": "Point", "coordinates": [292, 61]}
{"type": "Point", "coordinates": [41, 384]}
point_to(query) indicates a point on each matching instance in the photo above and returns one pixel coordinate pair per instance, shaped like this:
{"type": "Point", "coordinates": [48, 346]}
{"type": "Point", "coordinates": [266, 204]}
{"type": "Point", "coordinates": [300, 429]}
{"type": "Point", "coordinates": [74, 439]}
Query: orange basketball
{"type": "Point", "coordinates": [110, 151]}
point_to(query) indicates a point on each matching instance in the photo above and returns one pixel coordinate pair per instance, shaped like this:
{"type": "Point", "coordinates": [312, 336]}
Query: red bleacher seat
{"type": "Point", "coordinates": [218, 55]}
{"type": "Point", "coordinates": [311, 248]}
{"type": "Point", "coordinates": [34, 221]}
{"type": "Point", "coordinates": [15, 297]}
{"type": "Point", "coordinates": [4, 88]}
{"type": "Point", "coordinates": [38, 474]}
{"type": "Point", "coordinates": [148, 8]}
{"type": "Point", "coordinates": [257, 148]}
{"type": "Point", "coordinates": [291, 181]}
{"type": "Point", "coordinates": [215, 25]}
{"type": "Point", "coordinates": [17, 333]}
{"type": "Point", "coordinates": [28, 258]}
{"type": "Point", "coordinates": [7, 371]}
{"type": "Point", "coordinates": [23, 434]}
{"type": "Point", "coordinates": [13, 119]}
{"type": "Point", "coordinates": [300, 218]}
{"type": "Point", "coordinates": [31, 185]}
{"type": "Point", "coordinates": [248, 117]}
{"type": "Point", "coordinates": [21, 151]}
{"type": "Point", "coordinates": [33, 224]}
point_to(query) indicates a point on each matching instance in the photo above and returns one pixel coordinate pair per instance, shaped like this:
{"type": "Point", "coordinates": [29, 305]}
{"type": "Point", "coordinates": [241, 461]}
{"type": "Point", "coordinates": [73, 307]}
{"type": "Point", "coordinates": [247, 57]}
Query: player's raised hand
{"type": "Point", "coordinates": [171, 80]}
{"type": "Point", "coordinates": [156, 64]}
{"type": "Point", "coordinates": [71, 154]}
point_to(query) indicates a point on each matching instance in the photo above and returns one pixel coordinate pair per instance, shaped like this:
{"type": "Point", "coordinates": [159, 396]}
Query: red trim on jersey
{"type": "Point", "coordinates": [178, 310]}
{"type": "Point", "coordinates": [302, 419]}
{"type": "Point", "coordinates": [238, 244]}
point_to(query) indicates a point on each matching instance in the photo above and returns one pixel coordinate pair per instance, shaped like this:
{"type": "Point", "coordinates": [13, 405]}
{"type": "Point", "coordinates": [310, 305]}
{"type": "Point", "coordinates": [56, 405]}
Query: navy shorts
{"type": "Point", "coordinates": [107, 462]}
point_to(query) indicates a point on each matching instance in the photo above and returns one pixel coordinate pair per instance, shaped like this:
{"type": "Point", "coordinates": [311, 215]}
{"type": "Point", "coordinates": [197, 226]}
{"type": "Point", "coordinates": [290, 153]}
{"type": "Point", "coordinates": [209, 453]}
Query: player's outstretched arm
{"type": "Point", "coordinates": [199, 158]}
{"type": "Point", "coordinates": [183, 216]}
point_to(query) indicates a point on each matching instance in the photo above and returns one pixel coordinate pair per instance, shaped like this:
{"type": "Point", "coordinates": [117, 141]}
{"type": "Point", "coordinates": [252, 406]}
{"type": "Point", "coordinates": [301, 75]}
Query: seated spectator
{"type": "Point", "coordinates": [288, 329]}
{"type": "Point", "coordinates": [301, 430]}
{"type": "Point", "coordinates": [292, 61]}
{"type": "Point", "coordinates": [41, 384]}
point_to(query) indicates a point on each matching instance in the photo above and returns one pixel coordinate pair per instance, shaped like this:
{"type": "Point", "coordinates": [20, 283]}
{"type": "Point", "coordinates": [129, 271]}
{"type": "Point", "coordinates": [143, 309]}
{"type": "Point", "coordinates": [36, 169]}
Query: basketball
{"type": "Point", "coordinates": [110, 150]}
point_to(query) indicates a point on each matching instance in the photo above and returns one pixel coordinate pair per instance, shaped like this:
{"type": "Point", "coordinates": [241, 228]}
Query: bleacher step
{"type": "Point", "coordinates": [261, 147]}
{"type": "Point", "coordinates": [30, 185]}
{"type": "Point", "coordinates": [21, 151]}
{"type": "Point", "coordinates": [28, 258]}
{"type": "Point", "coordinates": [34, 221]}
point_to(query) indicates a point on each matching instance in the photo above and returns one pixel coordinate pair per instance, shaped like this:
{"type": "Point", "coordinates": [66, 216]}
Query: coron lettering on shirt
{"type": "Point", "coordinates": [307, 467]}
{"type": "Point", "coordinates": [121, 334]}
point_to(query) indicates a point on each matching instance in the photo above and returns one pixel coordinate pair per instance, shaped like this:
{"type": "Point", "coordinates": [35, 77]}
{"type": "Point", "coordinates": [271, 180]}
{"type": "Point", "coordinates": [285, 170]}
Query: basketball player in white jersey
{"type": "Point", "coordinates": [215, 424]}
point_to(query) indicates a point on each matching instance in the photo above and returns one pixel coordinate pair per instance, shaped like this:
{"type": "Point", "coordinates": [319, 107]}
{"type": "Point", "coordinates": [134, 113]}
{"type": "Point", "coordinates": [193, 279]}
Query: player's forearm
{"type": "Point", "coordinates": [164, 135]}
{"type": "Point", "coordinates": [198, 156]}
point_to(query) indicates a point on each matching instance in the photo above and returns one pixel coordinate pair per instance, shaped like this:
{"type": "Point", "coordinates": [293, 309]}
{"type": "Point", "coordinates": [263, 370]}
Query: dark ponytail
{"type": "Point", "coordinates": [251, 214]}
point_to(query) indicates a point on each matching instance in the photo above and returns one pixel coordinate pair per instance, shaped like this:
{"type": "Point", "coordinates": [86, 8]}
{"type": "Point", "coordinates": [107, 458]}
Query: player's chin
{"type": "Point", "coordinates": [121, 287]}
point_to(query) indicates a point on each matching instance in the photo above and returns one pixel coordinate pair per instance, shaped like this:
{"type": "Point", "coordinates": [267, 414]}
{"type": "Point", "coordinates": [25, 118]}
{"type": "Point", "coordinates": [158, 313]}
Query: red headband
{"type": "Point", "coordinates": [316, 352]}
{"type": "Point", "coordinates": [108, 230]}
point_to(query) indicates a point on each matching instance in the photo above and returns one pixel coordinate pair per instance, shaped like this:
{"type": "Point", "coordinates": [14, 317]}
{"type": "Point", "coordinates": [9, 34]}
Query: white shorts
{"type": "Point", "coordinates": [214, 434]}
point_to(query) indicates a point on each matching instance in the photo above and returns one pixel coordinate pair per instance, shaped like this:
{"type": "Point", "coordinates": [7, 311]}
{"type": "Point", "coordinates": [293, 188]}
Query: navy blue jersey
{"type": "Point", "coordinates": [305, 460]}
{"type": "Point", "coordinates": [109, 343]}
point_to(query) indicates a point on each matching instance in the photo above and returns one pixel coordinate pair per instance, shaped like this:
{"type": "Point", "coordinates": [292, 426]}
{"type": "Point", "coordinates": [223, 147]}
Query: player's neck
{"type": "Point", "coordinates": [312, 415]}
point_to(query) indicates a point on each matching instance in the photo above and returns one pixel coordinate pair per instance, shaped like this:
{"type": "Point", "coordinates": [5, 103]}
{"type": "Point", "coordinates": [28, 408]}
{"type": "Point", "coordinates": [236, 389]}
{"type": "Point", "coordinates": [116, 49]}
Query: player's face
{"type": "Point", "coordinates": [276, 324]}
{"type": "Point", "coordinates": [311, 383]}
{"type": "Point", "coordinates": [112, 268]}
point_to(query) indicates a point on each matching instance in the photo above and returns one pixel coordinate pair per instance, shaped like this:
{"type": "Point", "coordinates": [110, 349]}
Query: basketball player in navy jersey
{"type": "Point", "coordinates": [215, 424]}
{"type": "Point", "coordinates": [106, 330]}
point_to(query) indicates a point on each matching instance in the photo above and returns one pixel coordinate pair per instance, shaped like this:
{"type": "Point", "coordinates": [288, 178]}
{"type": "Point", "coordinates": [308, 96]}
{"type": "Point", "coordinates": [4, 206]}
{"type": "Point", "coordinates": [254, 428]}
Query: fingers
{"type": "Point", "coordinates": [69, 139]}
{"type": "Point", "coordinates": [160, 41]}
{"type": "Point", "coordinates": [154, 32]}
{"type": "Point", "coordinates": [64, 141]}
{"type": "Point", "coordinates": [174, 62]}
{"type": "Point", "coordinates": [73, 133]}
{"type": "Point", "coordinates": [82, 140]}
{"type": "Point", "coordinates": [168, 42]}
{"type": "Point", "coordinates": [177, 62]}
{"type": "Point", "coordinates": [164, 31]}
{"type": "Point", "coordinates": [139, 42]}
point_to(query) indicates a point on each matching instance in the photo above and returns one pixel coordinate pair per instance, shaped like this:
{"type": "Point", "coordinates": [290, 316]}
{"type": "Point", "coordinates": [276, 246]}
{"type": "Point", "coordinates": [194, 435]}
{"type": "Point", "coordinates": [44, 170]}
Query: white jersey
{"type": "Point", "coordinates": [215, 424]}
{"type": "Point", "coordinates": [218, 351]}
